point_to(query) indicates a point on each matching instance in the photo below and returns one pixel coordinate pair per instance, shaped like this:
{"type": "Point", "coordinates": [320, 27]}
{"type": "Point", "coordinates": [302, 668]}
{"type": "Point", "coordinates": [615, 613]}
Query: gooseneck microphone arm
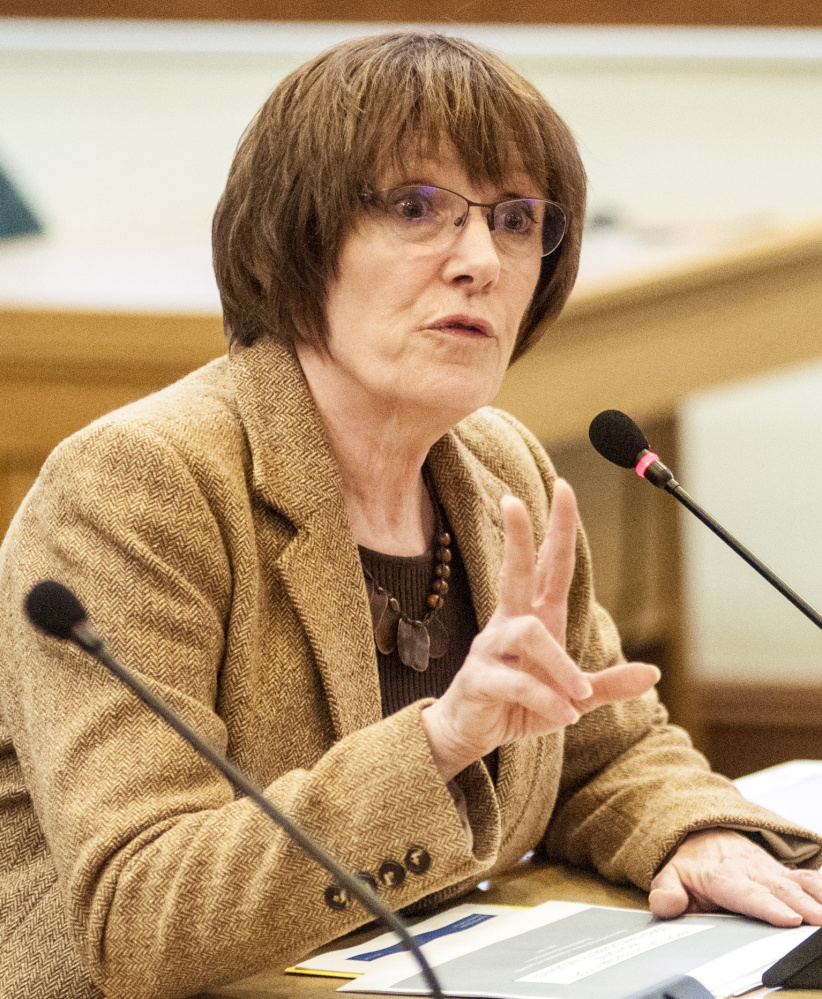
{"type": "Point", "coordinates": [676, 490]}
{"type": "Point", "coordinates": [54, 609]}
{"type": "Point", "coordinates": [619, 440]}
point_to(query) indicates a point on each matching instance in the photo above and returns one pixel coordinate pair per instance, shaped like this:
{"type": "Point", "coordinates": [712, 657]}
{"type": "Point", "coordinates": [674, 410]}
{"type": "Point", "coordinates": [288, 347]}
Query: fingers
{"type": "Point", "coordinates": [525, 644]}
{"type": "Point", "coordinates": [535, 698]}
{"type": "Point", "coordinates": [518, 575]}
{"type": "Point", "coordinates": [488, 706]}
{"type": "Point", "coordinates": [557, 555]}
{"type": "Point", "coordinates": [778, 899]}
{"type": "Point", "coordinates": [751, 898]}
{"type": "Point", "coordinates": [540, 586]}
{"type": "Point", "coordinates": [668, 897]}
{"type": "Point", "coordinates": [718, 868]}
{"type": "Point", "coordinates": [809, 881]}
{"type": "Point", "coordinates": [619, 683]}
{"type": "Point", "coordinates": [801, 891]}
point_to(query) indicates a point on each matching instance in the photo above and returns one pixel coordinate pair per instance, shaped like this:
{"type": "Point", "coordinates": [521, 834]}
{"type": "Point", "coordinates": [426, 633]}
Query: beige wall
{"type": "Point", "coordinates": [126, 132]}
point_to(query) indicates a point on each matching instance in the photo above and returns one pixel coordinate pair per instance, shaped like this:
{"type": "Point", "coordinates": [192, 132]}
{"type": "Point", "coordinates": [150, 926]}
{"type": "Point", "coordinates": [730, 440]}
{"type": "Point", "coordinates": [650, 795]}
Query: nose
{"type": "Point", "coordinates": [473, 258]}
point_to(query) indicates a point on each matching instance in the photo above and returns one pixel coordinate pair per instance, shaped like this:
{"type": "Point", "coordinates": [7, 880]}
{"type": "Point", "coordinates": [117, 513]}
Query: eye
{"type": "Point", "coordinates": [516, 218]}
{"type": "Point", "coordinates": [414, 205]}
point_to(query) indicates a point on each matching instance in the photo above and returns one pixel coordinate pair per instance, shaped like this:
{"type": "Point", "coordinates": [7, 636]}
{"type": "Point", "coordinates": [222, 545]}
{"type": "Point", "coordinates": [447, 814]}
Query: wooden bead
{"type": "Point", "coordinates": [433, 601]}
{"type": "Point", "coordinates": [445, 539]}
{"type": "Point", "coordinates": [443, 555]}
{"type": "Point", "coordinates": [440, 586]}
{"type": "Point", "coordinates": [443, 570]}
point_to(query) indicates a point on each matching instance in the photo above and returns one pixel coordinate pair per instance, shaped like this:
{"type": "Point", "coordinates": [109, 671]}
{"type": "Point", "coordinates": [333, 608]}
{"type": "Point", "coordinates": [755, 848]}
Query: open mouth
{"type": "Point", "coordinates": [462, 325]}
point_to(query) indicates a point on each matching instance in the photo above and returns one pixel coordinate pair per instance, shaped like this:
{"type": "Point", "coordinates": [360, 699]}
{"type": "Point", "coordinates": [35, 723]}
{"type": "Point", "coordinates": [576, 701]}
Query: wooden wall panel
{"type": "Point", "coordinates": [760, 13]}
{"type": "Point", "coordinates": [743, 728]}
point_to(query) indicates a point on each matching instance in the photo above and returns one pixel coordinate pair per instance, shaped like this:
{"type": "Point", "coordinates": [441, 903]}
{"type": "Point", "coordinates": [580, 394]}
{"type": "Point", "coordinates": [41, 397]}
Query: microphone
{"type": "Point", "coordinates": [55, 610]}
{"type": "Point", "coordinates": [619, 440]}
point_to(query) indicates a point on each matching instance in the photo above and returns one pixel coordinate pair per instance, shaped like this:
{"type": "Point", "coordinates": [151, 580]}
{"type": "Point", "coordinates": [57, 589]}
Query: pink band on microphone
{"type": "Point", "coordinates": [642, 465]}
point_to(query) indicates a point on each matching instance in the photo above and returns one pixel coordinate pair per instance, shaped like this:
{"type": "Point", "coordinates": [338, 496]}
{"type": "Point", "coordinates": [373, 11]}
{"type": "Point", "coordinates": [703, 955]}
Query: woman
{"type": "Point", "coordinates": [320, 550]}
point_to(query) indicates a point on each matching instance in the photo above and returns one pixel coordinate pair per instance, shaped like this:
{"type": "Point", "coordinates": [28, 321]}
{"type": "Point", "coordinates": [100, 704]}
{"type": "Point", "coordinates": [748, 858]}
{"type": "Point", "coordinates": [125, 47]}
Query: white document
{"type": "Point", "coordinates": [454, 924]}
{"type": "Point", "coordinates": [793, 790]}
{"type": "Point", "coordinates": [574, 969]}
{"type": "Point", "coordinates": [562, 950]}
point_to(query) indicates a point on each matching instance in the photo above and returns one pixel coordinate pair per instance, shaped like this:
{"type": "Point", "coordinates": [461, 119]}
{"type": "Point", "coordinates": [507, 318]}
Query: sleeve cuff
{"type": "Point", "coordinates": [791, 850]}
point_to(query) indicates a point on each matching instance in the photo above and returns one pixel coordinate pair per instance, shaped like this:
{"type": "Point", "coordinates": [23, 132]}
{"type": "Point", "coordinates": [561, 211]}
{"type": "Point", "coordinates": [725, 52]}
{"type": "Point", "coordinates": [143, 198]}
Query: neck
{"type": "Point", "coordinates": [379, 449]}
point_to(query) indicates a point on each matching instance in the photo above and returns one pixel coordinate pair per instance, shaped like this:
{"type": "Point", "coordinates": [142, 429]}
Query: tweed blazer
{"type": "Point", "coordinates": [205, 532]}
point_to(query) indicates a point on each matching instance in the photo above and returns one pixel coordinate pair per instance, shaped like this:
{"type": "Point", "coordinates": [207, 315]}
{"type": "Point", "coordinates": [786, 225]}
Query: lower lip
{"type": "Point", "coordinates": [462, 331]}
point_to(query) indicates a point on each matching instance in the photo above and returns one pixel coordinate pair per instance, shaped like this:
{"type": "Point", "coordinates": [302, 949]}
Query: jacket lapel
{"type": "Point", "coordinates": [471, 495]}
{"type": "Point", "coordinates": [295, 474]}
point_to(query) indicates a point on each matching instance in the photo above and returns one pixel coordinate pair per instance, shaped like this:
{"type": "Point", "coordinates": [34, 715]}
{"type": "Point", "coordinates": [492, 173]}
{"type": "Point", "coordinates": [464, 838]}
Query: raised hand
{"type": "Point", "coordinates": [518, 680]}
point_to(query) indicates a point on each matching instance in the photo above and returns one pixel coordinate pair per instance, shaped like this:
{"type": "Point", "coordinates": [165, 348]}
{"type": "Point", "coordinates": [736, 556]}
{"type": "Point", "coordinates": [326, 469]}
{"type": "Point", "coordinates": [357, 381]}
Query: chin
{"type": "Point", "coordinates": [455, 401]}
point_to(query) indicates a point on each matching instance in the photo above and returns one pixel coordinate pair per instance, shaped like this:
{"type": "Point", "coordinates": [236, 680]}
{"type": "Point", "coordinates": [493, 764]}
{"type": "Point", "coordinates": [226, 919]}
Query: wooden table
{"type": "Point", "coordinates": [528, 884]}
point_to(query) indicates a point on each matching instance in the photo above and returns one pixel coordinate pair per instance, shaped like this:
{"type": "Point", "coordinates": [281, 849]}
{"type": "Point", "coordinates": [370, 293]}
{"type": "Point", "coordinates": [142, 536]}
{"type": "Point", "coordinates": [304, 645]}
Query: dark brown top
{"type": "Point", "coordinates": [409, 580]}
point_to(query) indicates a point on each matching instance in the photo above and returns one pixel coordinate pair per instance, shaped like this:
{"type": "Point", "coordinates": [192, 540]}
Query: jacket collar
{"type": "Point", "coordinates": [295, 474]}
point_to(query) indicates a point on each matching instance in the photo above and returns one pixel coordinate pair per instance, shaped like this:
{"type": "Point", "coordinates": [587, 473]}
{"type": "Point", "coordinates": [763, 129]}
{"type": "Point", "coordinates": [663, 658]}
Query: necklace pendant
{"type": "Point", "coordinates": [437, 637]}
{"type": "Point", "coordinates": [385, 623]}
{"type": "Point", "coordinates": [413, 644]}
{"type": "Point", "coordinates": [377, 603]}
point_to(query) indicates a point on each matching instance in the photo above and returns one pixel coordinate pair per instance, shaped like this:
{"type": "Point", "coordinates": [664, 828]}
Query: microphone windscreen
{"type": "Point", "coordinates": [617, 438]}
{"type": "Point", "coordinates": [54, 609]}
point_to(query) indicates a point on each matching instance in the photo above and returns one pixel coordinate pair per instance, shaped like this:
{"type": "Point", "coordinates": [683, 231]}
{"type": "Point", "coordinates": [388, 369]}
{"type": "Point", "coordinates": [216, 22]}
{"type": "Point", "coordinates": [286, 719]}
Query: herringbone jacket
{"type": "Point", "coordinates": [204, 530]}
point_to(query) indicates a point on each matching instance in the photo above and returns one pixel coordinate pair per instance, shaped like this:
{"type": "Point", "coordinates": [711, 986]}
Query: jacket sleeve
{"type": "Point", "coordinates": [170, 883]}
{"type": "Point", "coordinates": [632, 785]}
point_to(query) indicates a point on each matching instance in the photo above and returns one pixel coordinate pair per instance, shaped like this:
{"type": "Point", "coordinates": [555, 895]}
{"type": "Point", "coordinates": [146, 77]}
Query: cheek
{"type": "Point", "coordinates": [378, 281]}
{"type": "Point", "coordinates": [521, 285]}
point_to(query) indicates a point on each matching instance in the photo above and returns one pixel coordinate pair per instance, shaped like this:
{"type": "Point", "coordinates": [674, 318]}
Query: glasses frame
{"type": "Point", "coordinates": [369, 198]}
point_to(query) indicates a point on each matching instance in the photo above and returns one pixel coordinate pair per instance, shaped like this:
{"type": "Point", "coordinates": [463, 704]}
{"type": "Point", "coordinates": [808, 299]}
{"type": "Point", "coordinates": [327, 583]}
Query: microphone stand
{"type": "Point", "coordinates": [90, 641]}
{"type": "Point", "coordinates": [659, 475]}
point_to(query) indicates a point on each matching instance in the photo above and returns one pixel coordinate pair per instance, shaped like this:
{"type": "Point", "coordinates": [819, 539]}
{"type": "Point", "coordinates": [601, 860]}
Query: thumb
{"type": "Point", "coordinates": [668, 897]}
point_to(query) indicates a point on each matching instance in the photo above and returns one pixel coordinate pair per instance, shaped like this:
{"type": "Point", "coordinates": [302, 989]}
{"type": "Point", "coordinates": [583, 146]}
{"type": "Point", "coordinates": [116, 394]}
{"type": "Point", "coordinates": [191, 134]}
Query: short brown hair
{"type": "Point", "coordinates": [327, 133]}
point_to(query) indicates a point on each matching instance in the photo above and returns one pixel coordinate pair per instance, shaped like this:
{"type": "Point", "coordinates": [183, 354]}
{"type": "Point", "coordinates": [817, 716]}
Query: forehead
{"type": "Point", "coordinates": [443, 167]}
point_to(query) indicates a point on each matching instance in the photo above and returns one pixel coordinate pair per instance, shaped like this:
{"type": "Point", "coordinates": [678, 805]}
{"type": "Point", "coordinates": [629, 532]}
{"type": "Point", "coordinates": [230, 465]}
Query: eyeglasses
{"type": "Point", "coordinates": [420, 213]}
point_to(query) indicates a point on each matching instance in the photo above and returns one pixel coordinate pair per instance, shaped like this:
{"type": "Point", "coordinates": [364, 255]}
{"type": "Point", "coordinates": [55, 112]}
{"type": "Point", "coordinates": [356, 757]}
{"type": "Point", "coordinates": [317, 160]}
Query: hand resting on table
{"type": "Point", "coordinates": [722, 869]}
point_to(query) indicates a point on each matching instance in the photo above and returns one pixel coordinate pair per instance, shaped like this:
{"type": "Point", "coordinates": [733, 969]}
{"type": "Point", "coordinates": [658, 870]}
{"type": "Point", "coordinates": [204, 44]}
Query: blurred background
{"type": "Point", "coordinates": [698, 309]}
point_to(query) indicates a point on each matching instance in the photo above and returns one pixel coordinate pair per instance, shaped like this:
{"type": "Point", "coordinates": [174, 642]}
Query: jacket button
{"type": "Point", "coordinates": [336, 898]}
{"type": "Point", "coordinates": [417, 860]}
{"type": "Point", "coordinates": [391, 874]}
{"type": "Point", "coordinates": [369, 879]}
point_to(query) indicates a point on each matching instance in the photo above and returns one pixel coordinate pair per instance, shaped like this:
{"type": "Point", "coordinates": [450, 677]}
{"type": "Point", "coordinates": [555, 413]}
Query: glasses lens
{"type": "Point", "coordinates": [554, 225]}
{"type": "Point", "coordinates": [528, 227]}
{"type": "Point", "coordinates": [419, 213]}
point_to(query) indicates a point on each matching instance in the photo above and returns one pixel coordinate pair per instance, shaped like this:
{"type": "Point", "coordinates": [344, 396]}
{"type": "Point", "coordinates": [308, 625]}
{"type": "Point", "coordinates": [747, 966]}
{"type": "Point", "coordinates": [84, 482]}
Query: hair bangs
{"type": "Point", "coordinates": [441, 95]}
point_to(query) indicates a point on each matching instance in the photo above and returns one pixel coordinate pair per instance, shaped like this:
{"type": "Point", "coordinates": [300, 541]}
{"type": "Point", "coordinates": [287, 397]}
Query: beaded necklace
{"type": "Point", "coordinates": [416, 642]}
